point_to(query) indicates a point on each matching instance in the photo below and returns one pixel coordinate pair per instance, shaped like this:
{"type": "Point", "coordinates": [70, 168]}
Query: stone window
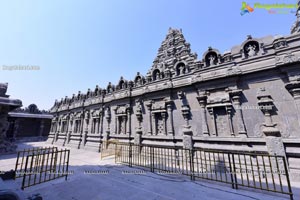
{"type": "Point", "coordinates": [94, 121]}
{"type": "Point", "coordinates": [122, 124]}
{"type": "Point", "coordinates": [64, 126]}
{"type": "Point", "coordinates": [77, 126]}
{"type": "Point", "coordinates": [160, 124]}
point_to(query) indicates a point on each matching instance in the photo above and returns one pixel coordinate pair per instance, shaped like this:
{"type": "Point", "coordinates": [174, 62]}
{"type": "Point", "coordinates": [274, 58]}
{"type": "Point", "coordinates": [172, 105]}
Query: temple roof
{"type": "Point", "coordinates": [5, 101]}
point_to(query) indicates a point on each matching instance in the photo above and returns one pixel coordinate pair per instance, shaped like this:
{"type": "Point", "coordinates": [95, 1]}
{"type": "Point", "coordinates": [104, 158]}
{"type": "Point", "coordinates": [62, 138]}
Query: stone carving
{"type": "Point", "coordinates": [251, 50]}
{"type": "Point", "coordinates": [250, 47]}
{"type": "Point", "coordinates": [273, 137]}
{"type": "Point", "coordinates": [211, 60]}
{"type": "Point", "coordinates": [279, 44]}
{"type": "Point", "coordinates": [289, 58]}
{"type": "Point", "coordinates": [233, 70]}
{"type": "Point", "coordinates": [211, 57]}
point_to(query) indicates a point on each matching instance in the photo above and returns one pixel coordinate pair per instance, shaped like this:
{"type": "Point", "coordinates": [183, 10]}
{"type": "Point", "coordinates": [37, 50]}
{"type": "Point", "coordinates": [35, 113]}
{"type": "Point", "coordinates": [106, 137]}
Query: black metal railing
{"type": "Point", "coordinates": [45, 166]}
{"type": "Point", "coordinates": [256, 170]}
{"type": "Point", "coordinates": [38, 165]}
{"type": "Point", "coordinates": [21, 158]}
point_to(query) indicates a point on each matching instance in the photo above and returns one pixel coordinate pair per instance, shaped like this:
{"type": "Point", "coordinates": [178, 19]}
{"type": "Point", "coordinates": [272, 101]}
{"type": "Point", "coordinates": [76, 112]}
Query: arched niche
{"type": "Point", "coordinates": [155, 75]}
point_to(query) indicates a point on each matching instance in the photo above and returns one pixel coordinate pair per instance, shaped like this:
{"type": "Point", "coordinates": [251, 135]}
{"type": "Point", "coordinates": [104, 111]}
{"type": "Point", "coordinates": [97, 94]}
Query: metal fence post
{"type": "Point", "coordinates": [67, 167]}
{"type": "Point", "coordinates": [287, 178]}
{"type": "Point", "coordinates": [130, 155]}
{"type": "Point", "coordinates": [16, 167]}
{"type": "Point", "coordinates": [192, 164]}
{"type": "Point", "coordinates": [152, 159]}
{"type": "Point", "coordinates": [24, 175]}
{"type": "Point", "coordinates": [230, 171]}
{"type": "Point", "coordinates": [234, 172]}
{"type": "Point", "coordinates": [116, 145]}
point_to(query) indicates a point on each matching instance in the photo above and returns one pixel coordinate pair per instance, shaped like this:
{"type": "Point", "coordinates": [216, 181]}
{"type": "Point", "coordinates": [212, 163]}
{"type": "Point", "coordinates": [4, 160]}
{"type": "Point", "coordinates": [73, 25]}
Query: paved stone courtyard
{"type": "Point", "coordinates": [117, 182]}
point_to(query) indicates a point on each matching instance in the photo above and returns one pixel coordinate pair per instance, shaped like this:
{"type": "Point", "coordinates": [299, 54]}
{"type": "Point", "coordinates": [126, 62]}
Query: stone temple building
{"type": "Point", "coordinates": [247, 98]}
{"type": "Point", "coordinates": [17, 124]}
{"type": "Point", "coordinates": [6, 104]}
{"type": "Point", "coordinates": [28, 124]}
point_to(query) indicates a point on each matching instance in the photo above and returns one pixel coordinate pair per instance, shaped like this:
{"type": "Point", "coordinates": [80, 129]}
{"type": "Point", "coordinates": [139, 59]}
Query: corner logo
{"type": "Point", "coordinates": [275, 8]}
{"type": "Point", "coordinates": [246, 8]}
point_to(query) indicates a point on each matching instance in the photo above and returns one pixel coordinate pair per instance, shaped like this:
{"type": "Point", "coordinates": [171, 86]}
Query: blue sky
{"type": "Point", "coordinates": [83, 43]}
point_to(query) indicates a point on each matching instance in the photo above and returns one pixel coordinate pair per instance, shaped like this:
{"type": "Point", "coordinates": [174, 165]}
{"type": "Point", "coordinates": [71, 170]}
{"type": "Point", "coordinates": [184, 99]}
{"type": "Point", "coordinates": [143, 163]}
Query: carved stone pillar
{"type": "Point", "coordinates": [202, 102]}
{"type": "Point", "coordinates": [81, 125]}
{"type": "Point", "coordinates": [149, 105]}
{"type": "Point", "coordinates": [86, 127]}
{"type": "Point", "coordinates": [116, 121]}
{"type": "Point", "coordinates": [124, 122]}
{"type": "Point", "coordinates": [187, 130]}
{"type": "Point", "coordinates": [154, 124]}
{"type": "Point", "coordinates": [163, 115]}
{"type": "Point", "coordinates": [273, 137]}
{"type": "Point", "coordinates": [58, 129]}
{"type": "Point", "coordinates": [170, 118]}
{"type": "Point", "coordinates": [212, 117]}
{"type": "Point", "coordinates": [108, 119]}
{"type": "Point", "coordinates": [229, 111]}
{"type": "Point", "coordinates": [101, 122]}
{"type": "Point", "coordinates": [69, 129]}
{"type": "Point", "coordinates": [97, 126]}
{"type": "Point", "coordinates": [139, 130]}
{"type": "Point", "coordinates": [16, 128]}
{"type": "Point", "coordinates": [75, 126]}
{"type": "Point", "coordinates": [61, 130]}
{"type": "Point", "coordinates": [128, 126]}
{"type": "Point", "coordinates": [236, 96]}
{"type": "Point", "coordinates": [294, 89]}
{"type": "Point", "coordinates": [42, 125]}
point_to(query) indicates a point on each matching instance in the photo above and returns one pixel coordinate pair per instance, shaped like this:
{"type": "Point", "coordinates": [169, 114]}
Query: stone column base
{"type": "Point", "coordinates": [275, 146]}
{"type": "Point", "coordinates": [138, 137]}
{"type": "Point", "coordinates": [187, 138]}
{"type": "Point", "coordinates": [105, 139]}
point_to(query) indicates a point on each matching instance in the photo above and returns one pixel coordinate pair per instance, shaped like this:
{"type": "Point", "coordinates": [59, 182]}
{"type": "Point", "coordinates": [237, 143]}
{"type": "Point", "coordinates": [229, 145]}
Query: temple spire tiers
{"type": "Point", "coordinates": [174, 58]}
{"type": "Point", "coordinates": [296, 26]}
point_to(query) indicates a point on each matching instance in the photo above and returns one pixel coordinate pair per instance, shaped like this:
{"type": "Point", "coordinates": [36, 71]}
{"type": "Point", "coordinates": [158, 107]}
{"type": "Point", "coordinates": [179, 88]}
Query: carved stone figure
{"type": "Point", "coordinates": [212, 59]}
{"type": "Point", "coordinates": [251, 50]}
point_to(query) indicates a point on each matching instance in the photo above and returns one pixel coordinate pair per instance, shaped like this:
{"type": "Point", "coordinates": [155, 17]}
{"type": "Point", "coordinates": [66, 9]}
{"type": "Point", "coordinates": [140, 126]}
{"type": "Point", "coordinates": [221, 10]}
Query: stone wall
{"type": "Point", "coordinates": [244, 99]}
